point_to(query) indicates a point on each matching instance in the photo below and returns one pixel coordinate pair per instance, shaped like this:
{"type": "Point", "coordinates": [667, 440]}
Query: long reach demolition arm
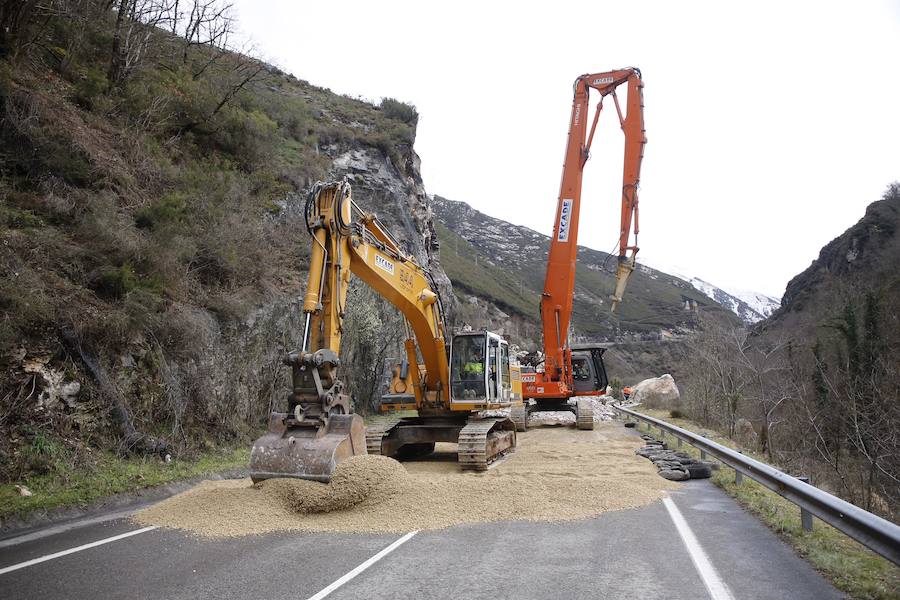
{"type": "Point", "coordinates": [559, 283]}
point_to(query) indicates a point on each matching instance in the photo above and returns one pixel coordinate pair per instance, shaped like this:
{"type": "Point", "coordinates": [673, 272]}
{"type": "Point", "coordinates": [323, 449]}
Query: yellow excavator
{"type": "Point", "coordinates": [454, 387]}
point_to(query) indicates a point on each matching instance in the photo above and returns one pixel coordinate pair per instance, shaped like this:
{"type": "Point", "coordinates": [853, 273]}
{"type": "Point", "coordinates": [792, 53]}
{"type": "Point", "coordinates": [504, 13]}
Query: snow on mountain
{"type": "Point", "coordinates": [748, 305]}
{"type": "Point", "coordinates": [761, 303]}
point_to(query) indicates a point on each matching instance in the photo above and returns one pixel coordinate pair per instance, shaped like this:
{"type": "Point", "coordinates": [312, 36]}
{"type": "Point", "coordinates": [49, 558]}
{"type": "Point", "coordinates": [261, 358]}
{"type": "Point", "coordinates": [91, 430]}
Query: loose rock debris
{"type": "Point", "coordinates": [554, 475]}
{"type": "Point", "coordinates": [674, 465]}
{"type": "Point", "coordinates": [601, 411]}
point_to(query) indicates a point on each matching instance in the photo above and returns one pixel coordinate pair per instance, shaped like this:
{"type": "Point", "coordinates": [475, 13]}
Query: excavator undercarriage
{"type": "Point", "coordinates": [481, 441]}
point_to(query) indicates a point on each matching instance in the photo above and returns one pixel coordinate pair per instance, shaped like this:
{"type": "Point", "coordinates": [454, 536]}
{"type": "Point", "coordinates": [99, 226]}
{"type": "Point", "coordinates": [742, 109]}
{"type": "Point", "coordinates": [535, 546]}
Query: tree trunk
{"type": "Point", "coordinates": [116, 59]}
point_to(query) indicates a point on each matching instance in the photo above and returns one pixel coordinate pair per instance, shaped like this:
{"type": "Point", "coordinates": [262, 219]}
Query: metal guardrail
{"type": "Point", "coordinates": [879, 534]}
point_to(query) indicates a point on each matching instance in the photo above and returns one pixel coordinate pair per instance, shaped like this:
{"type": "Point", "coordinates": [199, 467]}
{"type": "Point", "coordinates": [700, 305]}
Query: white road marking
{"type": "Point", "coordinates": [714, 584]}
{"type": "Point", "coordinates": [47, 557]}
{"type": "Point", "coordinates": [57, 529]}
{"type": "Point", "coordinates": [325, 592]}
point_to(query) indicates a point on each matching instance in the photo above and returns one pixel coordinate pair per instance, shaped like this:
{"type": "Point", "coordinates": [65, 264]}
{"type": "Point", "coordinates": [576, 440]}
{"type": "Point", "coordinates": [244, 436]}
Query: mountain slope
{"type": "Point", "coordinates": [865, 258]}
{"type": "Point", "coordinates": [505, 264]}
{"type": "Point", "coordinates": [152, 239]}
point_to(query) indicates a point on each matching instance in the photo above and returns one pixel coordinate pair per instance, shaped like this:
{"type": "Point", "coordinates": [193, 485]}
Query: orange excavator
{"type": "Point", "coordinates": [571, 371]}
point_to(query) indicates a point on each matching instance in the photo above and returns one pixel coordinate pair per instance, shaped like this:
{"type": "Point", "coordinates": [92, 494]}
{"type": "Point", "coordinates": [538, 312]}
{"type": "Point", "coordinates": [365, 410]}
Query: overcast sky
{"type": "Point", "coordinates": [771, 124]}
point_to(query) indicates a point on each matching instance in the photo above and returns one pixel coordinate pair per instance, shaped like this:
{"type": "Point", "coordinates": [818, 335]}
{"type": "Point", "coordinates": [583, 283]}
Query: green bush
{"type": "Point", "coordinates": [115, 282]}
{"type": "Point", "coordinates": [57, 157]}
{"type": "Point", "coordinates": [400, 111]}
{"type": "Point", "coordinates": [90, 87]}
{"type": "Point", "coordinates": [248, 136]}
{"type": "Point", "coordinates": [168, 209]}
{"type": "Point", "coordinates": [20, 219]}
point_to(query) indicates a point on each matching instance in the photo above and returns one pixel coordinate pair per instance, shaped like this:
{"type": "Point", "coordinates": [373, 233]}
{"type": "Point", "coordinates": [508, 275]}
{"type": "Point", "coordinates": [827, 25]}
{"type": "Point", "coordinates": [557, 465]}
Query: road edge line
{"type": "Point", "coordinates": [339, 582]}
{"type": "Point", "coordinates": [714, 584]}
{"type": "Point", "coordinates": [47, 557]}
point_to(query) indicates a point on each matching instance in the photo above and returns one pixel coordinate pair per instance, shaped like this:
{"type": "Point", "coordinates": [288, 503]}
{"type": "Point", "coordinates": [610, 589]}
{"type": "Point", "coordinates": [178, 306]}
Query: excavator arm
{"type": "Point", "coordinates": [559, 283]}
{"type": "Point", "coordinates": [362, 247]}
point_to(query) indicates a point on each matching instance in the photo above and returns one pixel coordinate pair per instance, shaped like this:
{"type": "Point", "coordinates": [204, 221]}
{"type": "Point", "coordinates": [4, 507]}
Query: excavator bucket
{"type": "Point", "coordinates": [303, 451]}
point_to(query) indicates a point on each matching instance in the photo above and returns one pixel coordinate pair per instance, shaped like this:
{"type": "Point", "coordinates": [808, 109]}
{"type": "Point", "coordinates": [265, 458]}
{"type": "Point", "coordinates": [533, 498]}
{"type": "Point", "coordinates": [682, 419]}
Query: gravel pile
{"type": "Point", "coordinates": [554, 475]}
{"type": "Point", "coordinates": [360, 478]}
{"type": "Point", "coordinates": [674, 465]}
{"type": "Point", "coordinates": [601, 411]}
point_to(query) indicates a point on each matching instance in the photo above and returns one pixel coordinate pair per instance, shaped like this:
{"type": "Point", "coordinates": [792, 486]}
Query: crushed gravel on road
{"type": "Point", "coordinates": [555, 474]}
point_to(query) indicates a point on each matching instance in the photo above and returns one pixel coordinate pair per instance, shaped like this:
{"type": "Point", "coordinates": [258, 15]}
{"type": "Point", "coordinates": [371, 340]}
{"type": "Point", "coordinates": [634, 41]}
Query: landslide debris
{"type": "Point", "coordinates": [555, 474]}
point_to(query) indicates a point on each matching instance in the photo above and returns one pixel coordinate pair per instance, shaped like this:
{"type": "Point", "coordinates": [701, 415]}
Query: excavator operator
{"type": "Point", "coordinates": [473, 372]}
{"type": "Point", "coordinates": [474, 367]}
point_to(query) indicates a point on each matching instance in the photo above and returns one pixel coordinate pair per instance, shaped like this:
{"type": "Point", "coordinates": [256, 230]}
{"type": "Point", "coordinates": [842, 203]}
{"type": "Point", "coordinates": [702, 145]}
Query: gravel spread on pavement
{"type": "Point", "coordinates": [555, 474]}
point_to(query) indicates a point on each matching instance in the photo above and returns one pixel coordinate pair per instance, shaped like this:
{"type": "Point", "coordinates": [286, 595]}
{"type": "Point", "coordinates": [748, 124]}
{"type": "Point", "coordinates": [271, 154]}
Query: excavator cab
{"type": "Point", "coordinates": [588, 371]}
{"type": "Point", "coordinates": [479, 368]}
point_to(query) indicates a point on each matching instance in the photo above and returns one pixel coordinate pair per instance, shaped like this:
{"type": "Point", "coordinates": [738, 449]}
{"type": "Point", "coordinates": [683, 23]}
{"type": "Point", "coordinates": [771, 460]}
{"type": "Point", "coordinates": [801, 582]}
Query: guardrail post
{"type": "Point", "coordinates": [680, 441]}
{"type": "Point", "coordinates": [738, 477]}
{"type": "Point", "coordinates": [703, 455]}
{"type": "Point", "coordinates": [806, 518]}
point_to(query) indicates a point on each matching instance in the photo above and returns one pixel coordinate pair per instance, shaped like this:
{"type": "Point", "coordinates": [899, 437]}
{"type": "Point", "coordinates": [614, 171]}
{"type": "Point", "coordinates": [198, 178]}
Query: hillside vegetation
{"type": "Point", "coordinates": [150, 237]}
{"type": "Point", "coordinates": [815, 386]}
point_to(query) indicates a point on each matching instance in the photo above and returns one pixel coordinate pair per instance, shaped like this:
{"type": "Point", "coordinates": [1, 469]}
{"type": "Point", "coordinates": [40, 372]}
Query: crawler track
{"type": "Point", "coordinates": [482, 441]}
{"type": "Point", "coordinates": [584, 414]}
{"type": "Point", "coordinates": [376, 432]}
{"type": "Point", "coordinates": [519, 416]}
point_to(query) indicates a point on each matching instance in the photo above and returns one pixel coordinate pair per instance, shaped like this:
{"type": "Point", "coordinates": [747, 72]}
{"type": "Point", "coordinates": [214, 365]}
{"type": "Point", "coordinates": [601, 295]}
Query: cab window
{"type": "Point", "coordinates": [468, 368]}
{"type": "Point", "coordinates": [580, 369]}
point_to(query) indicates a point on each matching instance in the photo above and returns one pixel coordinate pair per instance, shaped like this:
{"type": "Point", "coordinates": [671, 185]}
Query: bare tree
{"type": "Point", "coordinates": [767, 376]}
{"type": "Point", "coordinates": [209, 23]}
{"type": "Point", "coordinates": [137, 21]}
{"type": "Point", "coordinates": [715, 374]}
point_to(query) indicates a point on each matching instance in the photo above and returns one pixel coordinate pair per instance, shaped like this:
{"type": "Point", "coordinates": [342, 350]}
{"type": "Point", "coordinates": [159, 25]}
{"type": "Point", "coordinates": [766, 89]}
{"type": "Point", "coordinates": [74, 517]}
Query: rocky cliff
{"type": "Point", "coordinates": [865, 258]}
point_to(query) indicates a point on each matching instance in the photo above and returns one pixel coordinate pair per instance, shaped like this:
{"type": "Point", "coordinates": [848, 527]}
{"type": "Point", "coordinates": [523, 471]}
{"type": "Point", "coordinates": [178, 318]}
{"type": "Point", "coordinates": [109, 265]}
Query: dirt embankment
{"type": "Point", "coordinates": [555, 474]}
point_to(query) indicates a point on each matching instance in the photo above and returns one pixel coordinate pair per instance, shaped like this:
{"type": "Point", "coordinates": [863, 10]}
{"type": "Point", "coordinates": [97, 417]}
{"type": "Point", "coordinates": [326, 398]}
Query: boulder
{"type": "Point", "coordinates": [657, 392]}
{"type": "Point", "coordinates": [744, 434]}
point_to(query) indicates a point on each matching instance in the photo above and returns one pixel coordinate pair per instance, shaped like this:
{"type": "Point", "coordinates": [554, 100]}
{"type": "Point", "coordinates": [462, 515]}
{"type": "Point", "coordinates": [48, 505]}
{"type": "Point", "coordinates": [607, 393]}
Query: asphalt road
{"type": "Point", "coordinates": [636, 553]}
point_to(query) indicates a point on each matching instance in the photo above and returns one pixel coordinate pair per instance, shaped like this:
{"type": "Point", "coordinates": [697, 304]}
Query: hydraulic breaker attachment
{"type": "Point", "coordinates": [623, 272]}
